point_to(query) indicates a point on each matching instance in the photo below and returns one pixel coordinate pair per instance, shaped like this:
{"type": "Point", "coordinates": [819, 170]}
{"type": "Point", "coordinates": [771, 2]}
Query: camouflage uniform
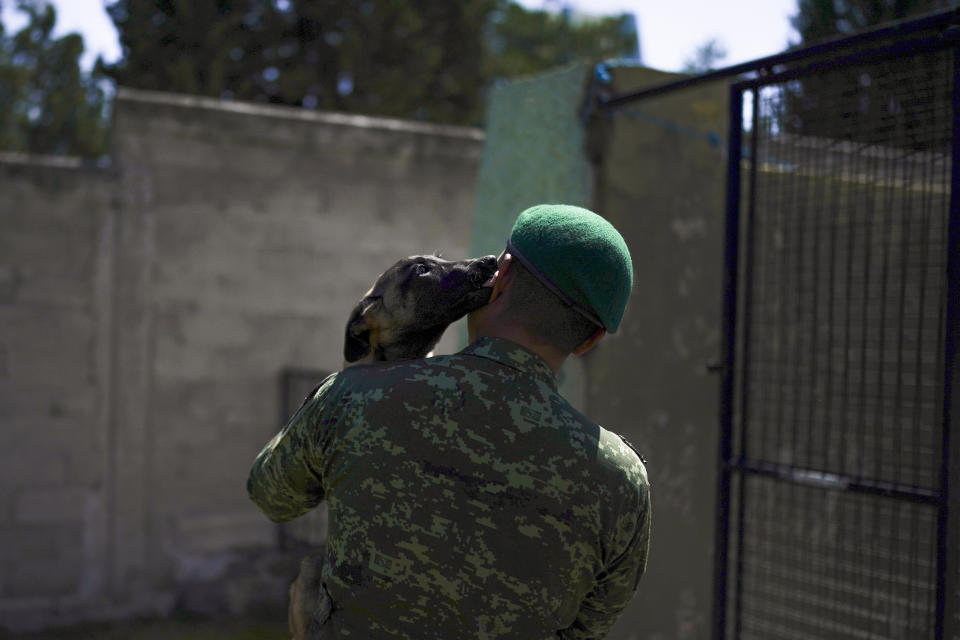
{"type": "Point", "coordinates": [467, 499]}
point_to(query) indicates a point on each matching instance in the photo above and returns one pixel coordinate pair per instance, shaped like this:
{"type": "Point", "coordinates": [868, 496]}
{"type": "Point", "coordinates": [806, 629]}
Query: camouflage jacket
{"type": "Point", "coordinates": [467, 499]}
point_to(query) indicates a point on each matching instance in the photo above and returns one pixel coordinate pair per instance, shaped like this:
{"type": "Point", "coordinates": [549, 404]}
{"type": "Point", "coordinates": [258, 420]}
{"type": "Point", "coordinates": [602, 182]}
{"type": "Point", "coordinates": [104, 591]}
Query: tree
{"type": "Point", "coordinates": [819, 20]}
{"type": "Point", "coordinates": [706, 57]}
{"type": "Point", "coordinates": [523, 42]}
{"type": "Point", "coordinates": [427, 60]}
{"type": "Point", "coordinates": [873, 103]}
{"type": "Point", "coordinates": [406, 59]}
{"type": "Point", "coordinates": [47, 104]}
{"type": "Point", "coordinates": [177, 45]}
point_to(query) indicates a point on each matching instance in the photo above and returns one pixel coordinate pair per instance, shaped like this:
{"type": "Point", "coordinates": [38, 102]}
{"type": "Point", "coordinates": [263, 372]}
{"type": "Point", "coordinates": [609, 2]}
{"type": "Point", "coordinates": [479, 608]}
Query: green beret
{"type": "Point", "coordinates": [578, 255]}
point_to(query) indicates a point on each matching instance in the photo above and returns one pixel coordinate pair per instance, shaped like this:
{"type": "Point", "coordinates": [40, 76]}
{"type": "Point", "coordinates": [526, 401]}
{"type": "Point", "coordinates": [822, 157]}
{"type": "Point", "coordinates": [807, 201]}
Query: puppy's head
{"type": "Point", "coordinates": [412, 303]}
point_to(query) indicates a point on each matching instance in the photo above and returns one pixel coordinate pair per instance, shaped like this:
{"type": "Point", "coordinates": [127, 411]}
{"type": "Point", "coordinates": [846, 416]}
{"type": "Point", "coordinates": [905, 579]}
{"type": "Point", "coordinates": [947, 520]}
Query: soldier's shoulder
{"type": "Point", "coordinates": [635, 450]}
{"type": "Point", "coordinates": [324, 385]}
{"type": "Point", "coordinates": [626, 457]}
{"type": "Point", "coordinates": [400, 374]}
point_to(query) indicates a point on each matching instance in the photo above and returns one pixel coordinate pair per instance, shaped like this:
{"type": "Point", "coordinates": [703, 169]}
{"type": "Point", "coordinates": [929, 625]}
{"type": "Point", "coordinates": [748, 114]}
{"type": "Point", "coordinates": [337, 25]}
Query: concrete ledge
{"type": "Point", "coordinates": [294, 113]}
{"type": "Point", "coordinates": [55, 162]}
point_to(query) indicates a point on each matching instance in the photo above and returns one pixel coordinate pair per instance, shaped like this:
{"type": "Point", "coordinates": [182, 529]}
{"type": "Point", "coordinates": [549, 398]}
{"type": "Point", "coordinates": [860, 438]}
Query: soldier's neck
{"type": "Point", "coordinates": [553, 356]}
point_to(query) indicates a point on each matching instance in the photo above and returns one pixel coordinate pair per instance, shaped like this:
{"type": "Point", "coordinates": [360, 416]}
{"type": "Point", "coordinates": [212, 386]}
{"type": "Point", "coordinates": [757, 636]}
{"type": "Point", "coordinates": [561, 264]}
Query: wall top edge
{"type": "Point", "coordinates": [36, 160]}
{"type": "Point", "coordinates": [126, 94]}
{"type": "Point", "coordinates": [48, 164]}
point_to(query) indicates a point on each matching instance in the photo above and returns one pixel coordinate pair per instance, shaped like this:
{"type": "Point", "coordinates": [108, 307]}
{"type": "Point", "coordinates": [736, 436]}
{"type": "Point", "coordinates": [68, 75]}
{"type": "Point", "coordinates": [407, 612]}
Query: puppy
{"type": "Point", "coordinates": [411, 304]}
{"type": "Point", "coordinates": [401, 317]}
{"type": "Point", "coordinates": [310, 605]}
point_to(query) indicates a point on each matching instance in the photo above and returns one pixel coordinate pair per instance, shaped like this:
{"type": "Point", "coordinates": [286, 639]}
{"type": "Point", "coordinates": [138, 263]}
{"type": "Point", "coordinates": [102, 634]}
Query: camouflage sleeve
{"type": "Point", "coordinates": [615, 586]}
{"type": "Point", "coordinates": [286, 481]}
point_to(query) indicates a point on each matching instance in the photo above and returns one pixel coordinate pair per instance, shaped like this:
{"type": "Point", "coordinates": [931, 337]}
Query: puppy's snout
{"type": "Point", "coordinates": [483, 269]}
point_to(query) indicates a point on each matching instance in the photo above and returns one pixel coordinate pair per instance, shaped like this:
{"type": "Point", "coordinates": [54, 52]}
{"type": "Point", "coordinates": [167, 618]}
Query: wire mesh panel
{"type": "Point", "coordinates": [845, 302]}
{"type": "Point", "coordinates": [838, 393]}
{"type": "Point", "coordinates": [830, 565]}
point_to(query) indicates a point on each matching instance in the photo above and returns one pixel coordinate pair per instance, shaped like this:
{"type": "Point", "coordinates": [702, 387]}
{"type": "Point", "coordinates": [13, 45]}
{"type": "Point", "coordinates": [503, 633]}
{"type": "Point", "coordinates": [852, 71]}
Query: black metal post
{"type": "Point", "coordinates": [725, 448]}
{"type": "Point", "coordinates": [745, 341]}
{"type": "Point", "coordinates": [948, 520]}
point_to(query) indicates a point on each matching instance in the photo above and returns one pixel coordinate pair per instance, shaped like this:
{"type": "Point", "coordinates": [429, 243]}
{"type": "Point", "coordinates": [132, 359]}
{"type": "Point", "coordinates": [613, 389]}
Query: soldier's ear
{"type": "Point", "coordinates": [504, 276]}
{"type": "Point", "coordinates": [590, 342]}
{"type": "Point", "coordinates": [356, 343]}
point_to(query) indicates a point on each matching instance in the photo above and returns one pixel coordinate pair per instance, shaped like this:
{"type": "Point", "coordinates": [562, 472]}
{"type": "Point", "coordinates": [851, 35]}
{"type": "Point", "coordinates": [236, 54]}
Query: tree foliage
{"type": "Point", "coordinates": [47, 104]}
{"type": "Point", "coordinates": [819, 20]}
{"type": "Point", "coordinates": [706, 57]}
{"type": "Point", "coordinates": [882, 103]}
{"type": "Point", "coordinates": [427, 60]}
{"type": "Point", "coordinates": [408, 59]}
{"type": "Point", "coordinates": [524, 42]}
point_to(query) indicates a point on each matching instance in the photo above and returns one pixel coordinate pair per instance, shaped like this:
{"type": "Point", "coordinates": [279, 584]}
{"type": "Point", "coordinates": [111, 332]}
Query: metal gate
{"type": "Point", "coordinates": [841, 321]}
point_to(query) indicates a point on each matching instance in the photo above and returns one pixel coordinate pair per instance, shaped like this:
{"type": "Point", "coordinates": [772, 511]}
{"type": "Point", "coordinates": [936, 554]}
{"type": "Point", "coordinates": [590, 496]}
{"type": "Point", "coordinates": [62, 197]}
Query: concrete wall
{"type": "Point", "coordinates": [147, 311]}
{"type": "Point", "coordinates": [55, 299]}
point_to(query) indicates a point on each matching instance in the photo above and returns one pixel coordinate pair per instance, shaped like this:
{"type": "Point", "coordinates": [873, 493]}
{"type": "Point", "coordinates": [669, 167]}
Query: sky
{"type": "Point", "coordinates": [670, 30]}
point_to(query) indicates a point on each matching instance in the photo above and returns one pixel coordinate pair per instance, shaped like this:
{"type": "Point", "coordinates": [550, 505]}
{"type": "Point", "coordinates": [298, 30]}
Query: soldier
{"type": "Point", "coordinates": [467, 498]}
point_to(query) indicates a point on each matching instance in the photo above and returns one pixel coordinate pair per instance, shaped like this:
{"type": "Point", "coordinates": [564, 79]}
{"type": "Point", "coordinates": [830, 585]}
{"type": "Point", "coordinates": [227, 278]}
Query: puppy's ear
{"type": "Point", "coordinates": [356, 343]}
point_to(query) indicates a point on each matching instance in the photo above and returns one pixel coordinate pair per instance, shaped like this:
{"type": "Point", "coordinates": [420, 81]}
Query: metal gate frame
{"type": "Point", "coordinates": [934, 31]}
{"type": "Point", "coordinates": [945, 499]}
